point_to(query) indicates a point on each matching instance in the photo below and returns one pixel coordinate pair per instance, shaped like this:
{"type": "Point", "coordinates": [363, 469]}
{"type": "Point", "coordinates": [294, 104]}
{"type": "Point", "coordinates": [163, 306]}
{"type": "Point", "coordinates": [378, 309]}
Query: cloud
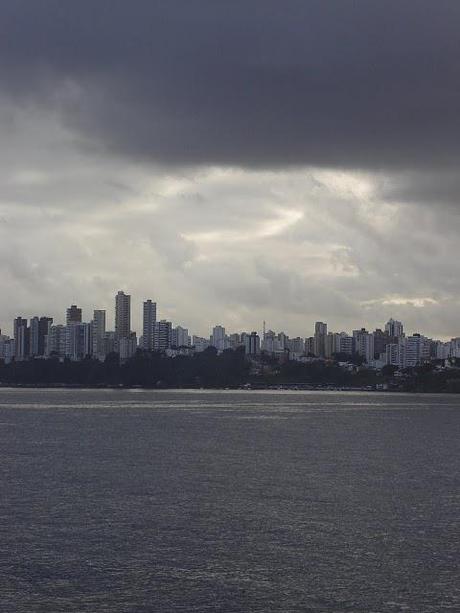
{"type": "Point", "coordinates": [255, 84]}
{"type": "Point", "coordinates": [238, 161]}
{"type": "Point", "coordinates": [289, 247]}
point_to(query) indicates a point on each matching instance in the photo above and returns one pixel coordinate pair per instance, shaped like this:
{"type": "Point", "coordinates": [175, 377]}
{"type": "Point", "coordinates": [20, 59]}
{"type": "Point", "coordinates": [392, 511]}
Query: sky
{"type": "Point", "coordinates": [235, 161]}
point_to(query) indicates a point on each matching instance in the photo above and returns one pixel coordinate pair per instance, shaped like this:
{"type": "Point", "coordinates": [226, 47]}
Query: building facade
{"type": "Point", "coordinates": [149, 320]}
{"type": "Point", "coordinates": [122, 315]}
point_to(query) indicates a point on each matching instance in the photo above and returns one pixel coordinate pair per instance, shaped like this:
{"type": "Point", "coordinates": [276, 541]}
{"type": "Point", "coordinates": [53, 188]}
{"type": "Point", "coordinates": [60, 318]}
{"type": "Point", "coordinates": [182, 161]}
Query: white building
{"type": "Point", "coordinates": [338, 342]}
{"type": "Point", "coordinates": [345, 343]}
{"type": "Point", "coordinates": [180, 337]}
{"type": "Point", "coordinates": [363, 343]}
{"type": "Point", "coordinates": [410, 351]}
{"type": "Point", "coordinates": [217, 338]}
{"type": "Point", "coordinates": [416, 350]}
{"type": "Point", "coordinates": [395, 354]}
{"type": "Point", "coordinates": [56, 341]}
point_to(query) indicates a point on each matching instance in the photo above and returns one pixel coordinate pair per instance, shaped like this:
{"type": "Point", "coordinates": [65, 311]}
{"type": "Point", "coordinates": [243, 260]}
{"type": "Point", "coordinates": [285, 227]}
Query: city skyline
{"type": "Point", "coordinates": [138, 308]}
{"type": "Point", "coordinates": [42, 337]}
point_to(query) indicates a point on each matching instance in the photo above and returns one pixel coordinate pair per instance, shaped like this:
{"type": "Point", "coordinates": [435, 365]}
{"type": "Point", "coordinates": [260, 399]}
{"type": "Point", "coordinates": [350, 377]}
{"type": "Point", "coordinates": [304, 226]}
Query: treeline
{"type": "Point", "coordinates": [427, 379]}
{"type": "Point", "coordinates": [206, 369]}
{"type": "Point", "coordinates": [228, 369]}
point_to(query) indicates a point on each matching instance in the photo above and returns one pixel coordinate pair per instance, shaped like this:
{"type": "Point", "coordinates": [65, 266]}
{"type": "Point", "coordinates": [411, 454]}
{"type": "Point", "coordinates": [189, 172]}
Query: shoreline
{"type": "Point", "coordinates": [240, 388]}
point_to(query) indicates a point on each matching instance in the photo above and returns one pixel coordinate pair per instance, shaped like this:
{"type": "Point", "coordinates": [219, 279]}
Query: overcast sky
{"type": "Point", "coordinates": [235, 161]}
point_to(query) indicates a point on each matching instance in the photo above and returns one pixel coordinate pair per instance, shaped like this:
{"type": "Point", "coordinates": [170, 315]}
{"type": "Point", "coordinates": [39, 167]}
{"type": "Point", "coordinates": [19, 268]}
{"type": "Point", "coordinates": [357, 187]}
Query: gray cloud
{"type": "Point", "coordinates": [237, 161]}
{"type": "Point", "coordinates": [352, 84]}
{"type": "Point", "coordinates": [430, 187]}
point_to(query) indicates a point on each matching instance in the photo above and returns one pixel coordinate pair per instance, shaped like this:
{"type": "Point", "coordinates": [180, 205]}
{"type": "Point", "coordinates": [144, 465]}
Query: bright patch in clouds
{"type": "Point", "coordinates": [265, 229]}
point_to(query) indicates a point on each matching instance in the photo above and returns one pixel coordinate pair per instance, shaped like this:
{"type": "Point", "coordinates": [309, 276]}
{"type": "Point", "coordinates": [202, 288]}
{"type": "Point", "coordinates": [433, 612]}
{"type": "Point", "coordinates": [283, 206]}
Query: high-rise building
{"type": "Point", "coordinates": [364, 344]}
{"type": "Point", "coordinates": [149, 320]}
{"type": "Point", "coordinates": [268, 341]}
{"type": "Point", "coordinates": [78, 341]}
{"type": "Point", "coordinates": [44, 325]}
{"type": "Point", "coordinates": [345, 343]}
{"type": "Point", "coordinates": [296, 346]}
{"type": "Point", "coordinates": [97, 334]}
{"type": "Point", "coordinates": [416, 350]}
{"type": "Point", "coordinates": [217, 338]}
{"type": "Point", "coordinates": [395, 354]}
{"type": "Point", "coordinates": [122, 315]}
{"type": "Point", "coordinates": [234, 340]}
{"type": "Point", "coordinates": [73, 315]}
{"type": "Point", "coordinates": [7, 348]}
{"type": "Point", "coordinates": [320, 339]}
{"type": "Point", "coordinates": [39, 328]}
{"type": "Point", "coordinates": [310, 346]}
{"type": "Point", "coordinates": [162, 338]}
{"type": "Point", "coordinates": [394, 328]}
{"type": "Point", "coordinates": [409, 351]}
{"type": "Point", "coordinates": [329, 349]}
{"type": "Point", "coordinates": [281, 342]}
{"type": "Point", "coordinates": [381, 340]}
{"type": "Point", "coordinates": [336, 342]}
{"type": "Point", "coordinates": [180, 337]}
{"type": "Point", "coordinates": [34, 334]}
{"type": "Point", "coordinates": [21, 339]}
{"type": "Point", "coordinates": [4, 341]}
{"type": "Point", "coordinates": [56, 341]}
{"type": "Point", "coordinates": [251, 343]}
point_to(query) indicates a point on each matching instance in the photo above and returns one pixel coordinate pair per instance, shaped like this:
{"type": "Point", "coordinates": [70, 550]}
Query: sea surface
{"type": "Point", "coordinates": [137, 501]}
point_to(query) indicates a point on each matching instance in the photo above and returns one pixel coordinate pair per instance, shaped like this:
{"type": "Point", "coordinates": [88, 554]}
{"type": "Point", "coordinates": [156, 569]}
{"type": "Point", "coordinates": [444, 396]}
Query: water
{"type": "Point", "coordinates": [136, 501]}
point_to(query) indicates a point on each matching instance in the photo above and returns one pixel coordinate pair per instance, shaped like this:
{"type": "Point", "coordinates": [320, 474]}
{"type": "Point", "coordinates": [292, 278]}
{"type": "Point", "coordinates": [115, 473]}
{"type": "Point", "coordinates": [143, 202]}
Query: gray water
{"type": "Point", "coordinates": [127, 501]}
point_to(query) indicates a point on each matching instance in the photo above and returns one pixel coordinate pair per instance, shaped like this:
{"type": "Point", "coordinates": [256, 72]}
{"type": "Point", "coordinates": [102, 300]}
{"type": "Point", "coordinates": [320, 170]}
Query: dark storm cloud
{"type": "Point", "coordinates": [364, 84]}
{"type": "Point", "coordinates": [441, 186]}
